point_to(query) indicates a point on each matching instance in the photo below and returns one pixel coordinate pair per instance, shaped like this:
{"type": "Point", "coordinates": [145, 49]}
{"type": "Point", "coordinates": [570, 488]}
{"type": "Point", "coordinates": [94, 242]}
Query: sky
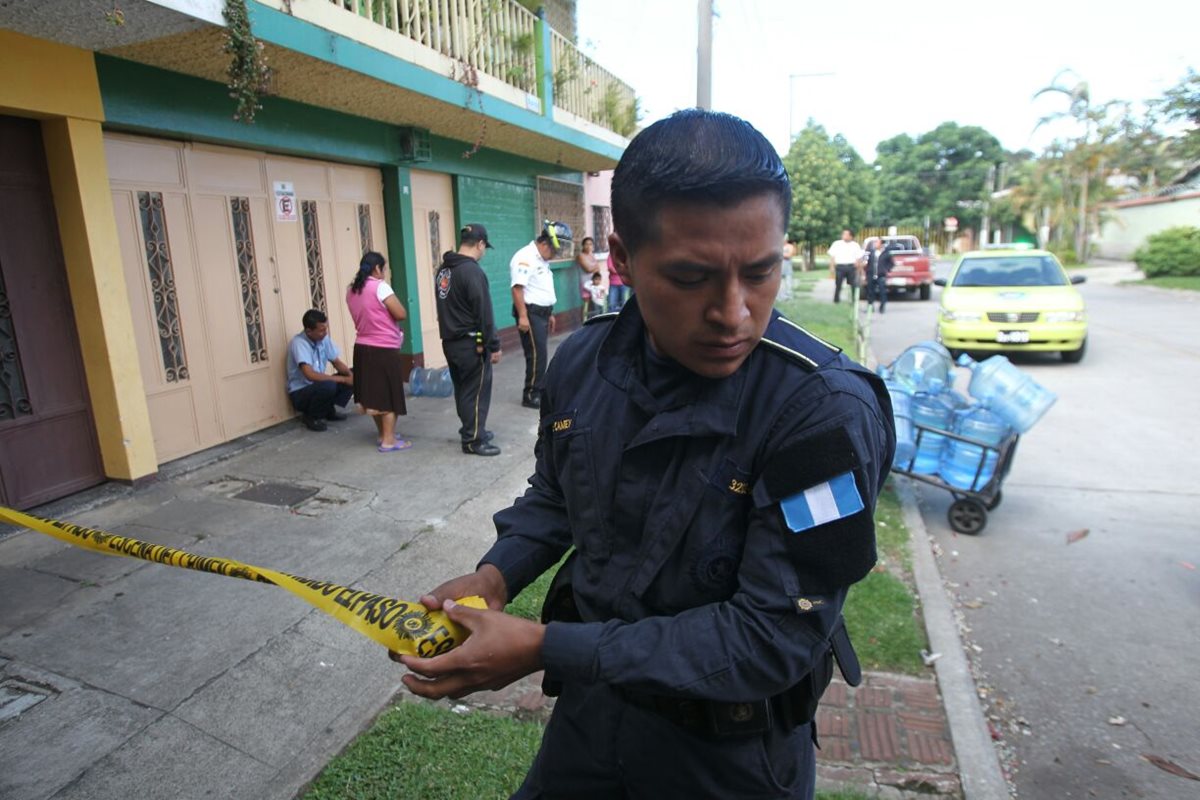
{"type": "Point", "coordinates": [897, 67]}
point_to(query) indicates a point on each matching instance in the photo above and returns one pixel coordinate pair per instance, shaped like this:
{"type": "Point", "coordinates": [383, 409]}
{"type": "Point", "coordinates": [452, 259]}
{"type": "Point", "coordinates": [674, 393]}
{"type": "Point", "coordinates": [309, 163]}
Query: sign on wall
{"type": "Point", "coordinates": [285, 202]}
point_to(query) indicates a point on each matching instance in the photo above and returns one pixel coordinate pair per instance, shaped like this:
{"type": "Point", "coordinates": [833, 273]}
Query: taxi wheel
{"type": "Point", "coordinates": [925, 290]}
{"type": "Point", "coordinates": [1075, 356]}
{"type": "Point", "coordinates": [967, 516]}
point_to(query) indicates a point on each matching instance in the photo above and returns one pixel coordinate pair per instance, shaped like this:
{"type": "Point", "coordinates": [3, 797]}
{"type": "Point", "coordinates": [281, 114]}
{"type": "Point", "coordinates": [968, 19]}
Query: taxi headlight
{"type": "Point", "coordinates": [1065, 316]}
{"type": "Point", "coordinates": [960, 316]}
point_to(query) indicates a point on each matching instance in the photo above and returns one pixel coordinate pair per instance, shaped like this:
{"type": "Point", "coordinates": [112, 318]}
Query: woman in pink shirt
{"type": "Point", "coordinates": [378, 373]}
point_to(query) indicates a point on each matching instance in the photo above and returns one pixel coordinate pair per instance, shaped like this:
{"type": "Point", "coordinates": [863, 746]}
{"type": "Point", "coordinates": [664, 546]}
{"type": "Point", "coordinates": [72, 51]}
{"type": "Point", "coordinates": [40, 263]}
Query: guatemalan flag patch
{"type": "Point", "coordinates": [836, 498]}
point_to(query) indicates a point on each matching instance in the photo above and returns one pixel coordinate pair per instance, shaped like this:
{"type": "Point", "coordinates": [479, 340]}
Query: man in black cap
{"type": "Point", "coordinates": [469, 338]}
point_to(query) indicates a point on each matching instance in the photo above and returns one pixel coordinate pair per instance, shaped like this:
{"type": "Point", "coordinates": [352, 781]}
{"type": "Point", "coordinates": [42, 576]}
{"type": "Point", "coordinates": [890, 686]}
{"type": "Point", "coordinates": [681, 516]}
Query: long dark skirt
{"type": "Point", "coordinates": [379, 380]}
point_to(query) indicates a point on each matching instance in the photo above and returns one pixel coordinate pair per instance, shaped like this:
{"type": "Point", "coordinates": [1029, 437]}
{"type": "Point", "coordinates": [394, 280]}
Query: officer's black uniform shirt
{"type": "Point", "coordinates": [464, 303]}
{"type": "Point", "coordinates": [689, 578]}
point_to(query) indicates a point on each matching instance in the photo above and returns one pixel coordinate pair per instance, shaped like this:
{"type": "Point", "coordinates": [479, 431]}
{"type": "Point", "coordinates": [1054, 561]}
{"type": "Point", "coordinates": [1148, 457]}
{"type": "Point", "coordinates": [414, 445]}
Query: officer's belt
{"type": "Point", "coordinates": [711, 716]}
{"type": "Point", "coordinates": [541, 311]}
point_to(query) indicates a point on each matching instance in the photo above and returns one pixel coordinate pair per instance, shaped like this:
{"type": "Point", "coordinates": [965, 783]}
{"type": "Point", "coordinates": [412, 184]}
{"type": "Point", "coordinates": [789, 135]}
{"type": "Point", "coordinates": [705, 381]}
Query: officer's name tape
{"type": "Point", "coordinates": [396, 624]}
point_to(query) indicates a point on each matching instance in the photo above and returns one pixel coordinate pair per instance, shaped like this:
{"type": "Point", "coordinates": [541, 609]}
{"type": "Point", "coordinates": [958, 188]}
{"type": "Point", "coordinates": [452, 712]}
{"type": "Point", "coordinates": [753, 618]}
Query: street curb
{"type": "Point", "coordinates": [979, 765]}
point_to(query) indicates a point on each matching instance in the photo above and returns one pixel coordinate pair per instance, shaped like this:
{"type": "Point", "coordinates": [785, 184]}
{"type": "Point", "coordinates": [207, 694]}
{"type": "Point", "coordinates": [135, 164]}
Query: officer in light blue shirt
{"type": "Point", "coordinates": [313, 391]}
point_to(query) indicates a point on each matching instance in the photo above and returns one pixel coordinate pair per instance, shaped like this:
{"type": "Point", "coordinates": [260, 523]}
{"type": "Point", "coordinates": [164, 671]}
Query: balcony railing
{"type": "Point", "coordinates": [501, 38]}
{"type": "Point", "coordinates": [588, 90]}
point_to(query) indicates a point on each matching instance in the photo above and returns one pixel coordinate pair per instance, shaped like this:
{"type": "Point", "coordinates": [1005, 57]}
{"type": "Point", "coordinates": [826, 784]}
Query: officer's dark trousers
{"type": "Point", "coordinates": [598, 746]}
{"type": "Point", "coordinates": [471, 373]}
{"type": "Point", "coordinates": [318, 398]}
{"type": "Point", "coordinates": [879, 287]}
{"type": "Point", "coordinates": [847, 273]}
{"type": "Point", "coordinates": [534, 345]}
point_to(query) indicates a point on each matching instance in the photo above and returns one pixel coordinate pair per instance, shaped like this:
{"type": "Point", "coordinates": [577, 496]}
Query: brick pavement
{"type": "Point", "coordinates": [888, 737]}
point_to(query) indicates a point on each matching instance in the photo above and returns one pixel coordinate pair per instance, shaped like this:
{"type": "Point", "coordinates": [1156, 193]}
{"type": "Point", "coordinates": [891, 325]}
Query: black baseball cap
{"type": "Point", "coordinates": [477, 232]}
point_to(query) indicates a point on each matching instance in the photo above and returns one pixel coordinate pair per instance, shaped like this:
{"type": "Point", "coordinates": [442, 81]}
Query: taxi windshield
{"type": "Point", "coordinates": [1009, 271]}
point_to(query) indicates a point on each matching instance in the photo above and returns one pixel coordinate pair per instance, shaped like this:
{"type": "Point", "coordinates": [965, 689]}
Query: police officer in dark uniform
{"type": "Point", "coordinates": [469, 338]}
{"type": "Point", "coordinates": [879, 264]}
{"type": "Point", "coordinates": [715, 467]}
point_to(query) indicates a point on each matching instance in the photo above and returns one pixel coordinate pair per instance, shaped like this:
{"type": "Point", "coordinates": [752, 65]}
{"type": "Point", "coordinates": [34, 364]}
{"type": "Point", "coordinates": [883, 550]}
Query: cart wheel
{"type": "Point", "coordinates": [967, 515]}
{"type": "Point", "coordinates": [995, 500]}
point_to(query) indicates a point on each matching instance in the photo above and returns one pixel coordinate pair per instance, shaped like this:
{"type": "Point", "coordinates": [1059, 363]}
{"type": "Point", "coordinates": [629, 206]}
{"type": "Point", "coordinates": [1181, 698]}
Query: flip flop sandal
{"type": "Point", "coordinates": [399, 445]}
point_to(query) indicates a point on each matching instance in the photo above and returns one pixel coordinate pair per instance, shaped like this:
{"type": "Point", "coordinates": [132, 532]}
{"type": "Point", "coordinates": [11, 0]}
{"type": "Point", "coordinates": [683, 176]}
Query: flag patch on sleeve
{"type": "Point", "coordinates": [836, 498]}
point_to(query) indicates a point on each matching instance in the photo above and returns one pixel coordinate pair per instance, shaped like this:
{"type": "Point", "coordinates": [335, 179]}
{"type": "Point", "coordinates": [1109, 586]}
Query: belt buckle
{"type": "Point", "coordinates": [738, 719]}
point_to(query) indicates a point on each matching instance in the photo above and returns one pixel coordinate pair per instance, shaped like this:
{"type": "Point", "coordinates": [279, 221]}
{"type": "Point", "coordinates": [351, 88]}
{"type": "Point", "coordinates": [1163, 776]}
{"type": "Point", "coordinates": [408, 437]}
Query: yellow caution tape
{"type": "Point", "coordinates": [397, 625]}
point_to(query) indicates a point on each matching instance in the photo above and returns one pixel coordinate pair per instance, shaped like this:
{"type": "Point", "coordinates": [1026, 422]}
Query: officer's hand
{"type": "Point", "coordinates": [523, 324]}
{"type": "Point", "coordinates": [486, 582]}
{"type": "Point", "coordinates": [496, 357]}
{"type": "Point", "coordinates": [553, 323]}
{"type": "Point", "coordinates": [501, 649]}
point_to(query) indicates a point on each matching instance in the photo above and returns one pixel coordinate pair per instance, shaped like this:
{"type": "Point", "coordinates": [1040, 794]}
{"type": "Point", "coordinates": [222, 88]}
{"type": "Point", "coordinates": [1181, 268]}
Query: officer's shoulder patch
{"type": "Point", "coordinates": [806, 463]}
{"type": "Point", "coordinates": [792, 341]}
{"type": "Point", "coordinates": [608, 316]}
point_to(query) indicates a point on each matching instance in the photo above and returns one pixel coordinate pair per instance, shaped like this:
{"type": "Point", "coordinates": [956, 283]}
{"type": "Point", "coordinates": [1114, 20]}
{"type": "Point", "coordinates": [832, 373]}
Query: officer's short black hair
{"type": "Point", "coordinates": [312, 318]}
{"type": "Point", "coordinates": [693, 156]}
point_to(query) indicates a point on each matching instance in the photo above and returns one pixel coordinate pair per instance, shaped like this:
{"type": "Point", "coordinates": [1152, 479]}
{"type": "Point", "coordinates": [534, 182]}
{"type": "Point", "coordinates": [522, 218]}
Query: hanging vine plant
{"type": "Point", "coordinates": [249, 75]}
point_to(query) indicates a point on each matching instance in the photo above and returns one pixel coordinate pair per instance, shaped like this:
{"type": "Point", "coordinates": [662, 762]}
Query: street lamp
{"type": "Point", "coordinates": [792, 97]}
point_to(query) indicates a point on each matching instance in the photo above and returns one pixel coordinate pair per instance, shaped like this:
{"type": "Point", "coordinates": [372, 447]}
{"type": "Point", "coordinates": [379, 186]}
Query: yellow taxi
{"type": "Point", "coordinates": [1012, 298]}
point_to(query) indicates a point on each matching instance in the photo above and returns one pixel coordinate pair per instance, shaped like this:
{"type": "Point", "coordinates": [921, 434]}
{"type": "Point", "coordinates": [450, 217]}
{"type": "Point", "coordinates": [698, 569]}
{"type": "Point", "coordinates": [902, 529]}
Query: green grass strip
{"type": "Point", "coordinates": [1188, 282]}
{"type": "Point", "coordinates": [418, 750]}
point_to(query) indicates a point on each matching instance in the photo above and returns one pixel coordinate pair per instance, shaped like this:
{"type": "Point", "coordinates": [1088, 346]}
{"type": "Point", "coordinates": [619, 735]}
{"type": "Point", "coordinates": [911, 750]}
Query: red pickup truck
{"type": "Point", "coordinates": [912, 270]}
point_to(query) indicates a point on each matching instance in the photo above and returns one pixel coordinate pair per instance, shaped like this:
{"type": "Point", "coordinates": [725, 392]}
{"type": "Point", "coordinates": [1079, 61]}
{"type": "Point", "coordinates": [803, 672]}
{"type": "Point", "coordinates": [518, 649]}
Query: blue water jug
{"type": "Point", "coordinates": [1017, 398]}
{"type": "Point", "coordinates": [919, 365]}
{"type": "Point", "coordinates": [443, 385]}
{"type": "Point", "coordinates": [929, 411]}
{"type": "Point", "coordinates": [416, 382]}
{"type": "Point", "coordinates": [970, 466]}
{"type": "Point", "coordinates": [906, 448]}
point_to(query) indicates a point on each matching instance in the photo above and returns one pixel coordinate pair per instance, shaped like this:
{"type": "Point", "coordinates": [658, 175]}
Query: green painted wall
{"type": "Point", "coordinates": [143, 99]}
{"type": "Point", "coordinates": [507, 210]}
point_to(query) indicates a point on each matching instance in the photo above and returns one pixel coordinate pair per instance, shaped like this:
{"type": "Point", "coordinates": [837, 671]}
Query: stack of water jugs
{"type": "Point", "coordinates": [1003, 400]}
{"type": "Point", "coordinates": [430, 382]}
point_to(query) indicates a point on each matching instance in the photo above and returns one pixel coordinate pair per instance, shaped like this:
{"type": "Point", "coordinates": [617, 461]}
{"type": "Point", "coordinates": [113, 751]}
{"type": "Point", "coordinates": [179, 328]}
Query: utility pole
{"type": "Point", "coordinates": [991, 185]}
{"type": "Point", "coordinates": [704, 56]}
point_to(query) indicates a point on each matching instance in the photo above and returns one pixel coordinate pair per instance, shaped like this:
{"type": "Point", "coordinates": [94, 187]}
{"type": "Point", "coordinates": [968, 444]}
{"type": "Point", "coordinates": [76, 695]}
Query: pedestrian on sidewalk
{"type": "Point", "coordinates": [378, 368]}
{"type": "Point", "coordinates": [469, 339]}
{"type": "Point", "coordinates": [717, 522]}
{"type": "Point", "coordinates": [618, 292]}
{"type": "Point", "coordinates": [313, 391]}
{"type": "Point", "coordinates": [885, 256]}
{"type": "Point", "coordinates": [533, 302]}
{"type": "Point", "coordinates": [785, 271]}
{"type": "Point", "coordinates": [843, 263]}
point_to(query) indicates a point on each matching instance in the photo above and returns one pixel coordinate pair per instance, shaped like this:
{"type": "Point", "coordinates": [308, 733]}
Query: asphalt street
{"type": "Point", "coordinates": [1078, 601]}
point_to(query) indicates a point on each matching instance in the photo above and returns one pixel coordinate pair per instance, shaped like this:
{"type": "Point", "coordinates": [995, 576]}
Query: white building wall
{"type": "Point", "coordinates": [1128, 226]}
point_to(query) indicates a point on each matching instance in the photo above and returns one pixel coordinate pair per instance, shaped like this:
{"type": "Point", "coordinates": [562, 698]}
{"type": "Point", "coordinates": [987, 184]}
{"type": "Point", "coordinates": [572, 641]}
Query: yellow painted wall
{"type": "Point", "coordinates": [44, 79]}
{"type": "Point", "coordinates": [58, 85]}
{"type": "Point", "coordinates": [83, 202]}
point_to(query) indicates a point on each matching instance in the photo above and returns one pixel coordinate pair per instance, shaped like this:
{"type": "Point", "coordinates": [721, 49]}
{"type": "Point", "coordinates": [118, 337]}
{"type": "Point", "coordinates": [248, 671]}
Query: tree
{"type": "Point", "coordinates": [831, 186]}
{"type": "Point", "coordinates": [941, 173]}
{"type": "Point", "coordinates": [1181, 103]}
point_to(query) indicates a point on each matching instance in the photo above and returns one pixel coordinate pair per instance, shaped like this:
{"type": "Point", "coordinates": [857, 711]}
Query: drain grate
{"type": "Point", "coordinates": [17, 697]}
{"type": "Point", "coordinates": [278, 494]}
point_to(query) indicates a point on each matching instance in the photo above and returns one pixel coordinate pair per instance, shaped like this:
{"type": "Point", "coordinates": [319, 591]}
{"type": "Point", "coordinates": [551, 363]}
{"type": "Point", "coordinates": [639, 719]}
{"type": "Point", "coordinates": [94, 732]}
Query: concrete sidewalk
{"type": "Point", "coordinates": [122, 679]}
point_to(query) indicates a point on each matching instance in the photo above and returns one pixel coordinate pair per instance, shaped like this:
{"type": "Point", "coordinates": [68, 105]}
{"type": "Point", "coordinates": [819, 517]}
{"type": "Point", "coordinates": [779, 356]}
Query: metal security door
{"type": "Point", "coordinates": [48, 443]}
{"type": "Point", "coordinates": [434, 234]}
